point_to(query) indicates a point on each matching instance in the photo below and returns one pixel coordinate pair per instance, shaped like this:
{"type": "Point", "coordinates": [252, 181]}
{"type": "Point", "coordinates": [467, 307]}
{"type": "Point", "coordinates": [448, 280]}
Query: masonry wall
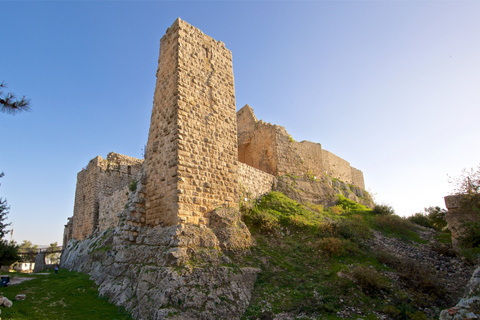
{"type": "Point", "coordinates": [257, 145]}
{"type": "Point", "coordinates": [298, 158]}
{"type": "Point", "coordinates": [254, 183]}
{"type": "Point", "coordinates": [100, 179]}
{"type": "Point", "coordinates": [191, 161]}
{"type": "Point", "coordinates": [110, 207]}
{"type": "Point", "coordinates": [271, 149]}
{"type": "Point", "coordinates": [67, 232]}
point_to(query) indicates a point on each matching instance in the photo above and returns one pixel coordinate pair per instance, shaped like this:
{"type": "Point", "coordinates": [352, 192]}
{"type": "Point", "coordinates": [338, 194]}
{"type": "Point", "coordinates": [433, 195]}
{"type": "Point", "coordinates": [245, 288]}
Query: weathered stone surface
{"type": "Point", "coordinates": [151, 233]}
{"type": "Point", "coordinates": [20, 297]}
{"type": "Point", "coordinates": [191, 159]}
{"type": "Point", "coordinates": [458, 220]}
{"type": "Point", "coordinates": [469, 306]}
{"type": "Point", "coordinates": [173, 272]}
{"type": "Point", "coordinates": [100, 179]}
{"type": "Point", "coordinates": [271, 149]}
{"type": "Point", "coordinates": [7, 303]}
{"type": "Point", "coordinates": [322, 191]}
{"type": "Point", "coordinates": [231, 232]}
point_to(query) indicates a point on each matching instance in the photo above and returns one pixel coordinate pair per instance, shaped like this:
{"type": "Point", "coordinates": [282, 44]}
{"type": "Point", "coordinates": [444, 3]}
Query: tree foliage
{"type": "Point", "coordinates": [468, 182]}
{"type": "Point", "coordinates": [9, 102]}
{"type": "Point", "coordinates": [27, 245]}
{"type": "Point", "coordinates": [8, 250]}
{"type": "Point", "coordinates": [4, 209]}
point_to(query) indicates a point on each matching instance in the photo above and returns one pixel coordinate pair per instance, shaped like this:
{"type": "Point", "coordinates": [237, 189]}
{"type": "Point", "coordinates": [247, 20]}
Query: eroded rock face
{"type": "Point", "coordinates": [176, 272]}
{"type": "Point", "coordinates": [322, 191]}
{"type": "Point", "coordinates": [469, 306]}
{"type": "Point", "coordinates": [459, 221]}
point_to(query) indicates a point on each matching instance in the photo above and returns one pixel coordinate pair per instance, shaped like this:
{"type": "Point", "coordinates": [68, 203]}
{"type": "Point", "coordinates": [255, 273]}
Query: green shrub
{"type": "Point", "coordinates": [437, 217]}
{"type": "Point", "coordinates": [383, 209]}
{"type": "Point", "coordinates": [263, 221]}
{"type": "Point", "coordinates": [287, 212]}
{"type": "Point", "coordinates": [392, 312]}
{"type": "Point", "coordinates": [354, 228]}
{"type": "Point", "coordinates": [350, 206]}
{"type": "Point", "coordinates": [299, 221]}
{"type": "Point", "coordinates": [327, 229]}
{"type": "Point", "coordinates": [369, 280]}
{"type": "Point", "coordinates": [331, 246]}
{"type": "Point", "coordinates": [337, 210]}
{"type": "Point", "coordinates": [133, 185]}
{"type": "Point", "coordinates": [393, 224]}
{"type": "Point", "coordinates": [421, 219]}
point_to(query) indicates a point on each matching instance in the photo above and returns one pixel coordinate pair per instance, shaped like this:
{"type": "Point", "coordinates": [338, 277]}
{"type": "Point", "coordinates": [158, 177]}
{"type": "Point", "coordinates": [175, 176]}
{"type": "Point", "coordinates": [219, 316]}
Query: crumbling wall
{"type": "Point", "coordinates": [458, 220]}
{"type": "Point", "coordinates": [271, 149]}
{"type": "Point", "coordinates": [257, 145]}
{"type": "Point", "coordinates": [100, 179]}
{"type": "Point", "coordinates": [254, 183]}
{"type": "Point", "coordinates": [191, 159]}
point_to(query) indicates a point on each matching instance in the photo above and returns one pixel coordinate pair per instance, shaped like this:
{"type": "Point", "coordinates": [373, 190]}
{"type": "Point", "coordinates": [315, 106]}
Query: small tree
{"type": "Point", "coordinates": [437, 216]}
{"type": "Point", "coordinates": [468, 186]}
{"type": "Point", "coordinates": [28, 250]}
{"type": "Point", "coordinates": [467, 183]}
{"type": "Point", "coordinates": [52, 257]}
{"type": "Point", "coordinates": [8, 250]}
{"type": "Point", "coordinates": [9, 102]}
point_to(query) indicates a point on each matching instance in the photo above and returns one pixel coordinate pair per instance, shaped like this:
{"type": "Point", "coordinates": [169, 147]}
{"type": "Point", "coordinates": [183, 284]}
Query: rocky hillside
{"type": "Point", "coordinates": [347, 261]}
{"type": "Point", "coordinates": [327, 256]}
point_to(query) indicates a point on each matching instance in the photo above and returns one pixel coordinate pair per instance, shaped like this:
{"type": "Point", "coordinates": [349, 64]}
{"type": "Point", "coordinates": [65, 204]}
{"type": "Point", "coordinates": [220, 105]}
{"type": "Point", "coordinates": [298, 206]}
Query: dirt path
{"type": "Point", "coordinates": [18, 280]}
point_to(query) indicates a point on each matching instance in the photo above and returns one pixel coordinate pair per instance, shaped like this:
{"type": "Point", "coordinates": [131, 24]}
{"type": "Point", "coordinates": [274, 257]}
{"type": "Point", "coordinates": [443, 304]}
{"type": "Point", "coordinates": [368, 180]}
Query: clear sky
{"type": "Point", "coordinates": [393, 87]}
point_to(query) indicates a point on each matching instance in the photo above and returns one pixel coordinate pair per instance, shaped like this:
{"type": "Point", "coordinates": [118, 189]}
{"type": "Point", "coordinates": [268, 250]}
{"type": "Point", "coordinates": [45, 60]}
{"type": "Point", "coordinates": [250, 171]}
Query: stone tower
{"type": "Point", "coordinates": [191, 158]}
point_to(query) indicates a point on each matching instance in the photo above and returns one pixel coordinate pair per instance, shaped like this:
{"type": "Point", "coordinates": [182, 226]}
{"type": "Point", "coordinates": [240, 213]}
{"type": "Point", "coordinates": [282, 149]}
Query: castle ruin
{"type": "Point", "coordinates": [201, 154]}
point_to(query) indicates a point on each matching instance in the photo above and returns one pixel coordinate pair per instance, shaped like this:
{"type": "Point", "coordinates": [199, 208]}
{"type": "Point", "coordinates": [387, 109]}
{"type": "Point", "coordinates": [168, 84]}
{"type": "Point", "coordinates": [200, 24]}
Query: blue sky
{"type": "Point", "coordinates": [390, 86]}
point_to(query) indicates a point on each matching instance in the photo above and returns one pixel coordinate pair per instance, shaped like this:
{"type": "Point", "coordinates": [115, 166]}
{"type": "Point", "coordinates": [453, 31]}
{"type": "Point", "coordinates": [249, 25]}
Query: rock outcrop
{"type": "Point", "coordinates": [176, 272]}
{"type": "Point", "coordinates": [469, 306]}
{"type": "Point", "coordinates": [323, 190]}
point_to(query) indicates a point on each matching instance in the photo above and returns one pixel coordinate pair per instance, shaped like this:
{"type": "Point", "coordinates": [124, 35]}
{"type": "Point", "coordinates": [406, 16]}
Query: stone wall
{"type": "Point", "coordinates": [192, 155]}
{"type": "Point", "coordinates": [458, 220]}
{"type": "Point", "coordinates": [298, 158]}
{"type": "Point", "coordinates": [253, 183]}
{"type": "Point", "coordinates": [271, 149]}
{"type": "Point", "coordinates": [256, 141]}
{"type": "Point", "coordinates": [68, 231]}
{"type": "Point", "coordinates": [191, 159]}
{"type": "Point", "coordinates": [110, 207]}
{"type": "Point", "coordinates": [100, 179]}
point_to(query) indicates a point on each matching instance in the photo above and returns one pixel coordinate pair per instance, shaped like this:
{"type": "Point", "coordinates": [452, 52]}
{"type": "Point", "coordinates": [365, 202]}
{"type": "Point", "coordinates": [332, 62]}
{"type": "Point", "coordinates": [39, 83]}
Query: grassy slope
{"type": "Point", "coordinates": [316, 262]}
{"type": "Point", "coordinates": [68, 295]}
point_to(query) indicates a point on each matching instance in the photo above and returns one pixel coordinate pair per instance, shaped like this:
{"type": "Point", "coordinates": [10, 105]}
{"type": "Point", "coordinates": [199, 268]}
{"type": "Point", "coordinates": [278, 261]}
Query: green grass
{"type": "Point", "coordinates": [315, 260]}
{"type": "Point", "coordinates": [68, 295]}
